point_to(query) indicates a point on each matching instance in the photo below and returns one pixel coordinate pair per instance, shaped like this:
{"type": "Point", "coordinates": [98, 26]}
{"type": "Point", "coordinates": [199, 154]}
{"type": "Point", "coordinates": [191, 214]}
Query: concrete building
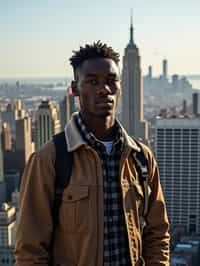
{"type": "Point", "coordinates": [150, 75]}
{"type": "Point", "coordinates": [132, 92]}
{"type": "Point", "coordinates": [67, 107]}
{"type": "Point", "coordinates": [7, 256]}
{"type": "Point", "coordinates": [24, 138]}
{"type": "Point", "coordinates": [47, 122]}
{"type": "Point", "coordinates": [177, 147]}
{"type": "Point", "coordinates": [7, 225]}
{"type": "Point", "coordinates": [7, 234]}
{"type": "Point", "coordinates": [186, 253]}
{"type": "Point", "coordinates": [196, 103]}
{"type": "Point", "coordinates": [2, 181]}
{"type": "Point", "coordinates": [165, 68]}
{"type": "Point", "coordinates": [1, 154]}
{"type": "Point", "coordinates": [12, 180]}
{"type": "Point", "coordinates": [15, 110]}
{"type": "Point", "coordinates": [6, 137]}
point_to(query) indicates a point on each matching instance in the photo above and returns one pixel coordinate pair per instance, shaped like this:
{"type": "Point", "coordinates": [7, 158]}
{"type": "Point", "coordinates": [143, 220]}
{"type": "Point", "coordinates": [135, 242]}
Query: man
{"type": "Point", "coordinates": [99, 217]}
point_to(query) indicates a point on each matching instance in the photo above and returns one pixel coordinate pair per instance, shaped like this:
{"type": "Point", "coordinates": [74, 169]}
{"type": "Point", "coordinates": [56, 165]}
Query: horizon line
{"type": "Point", "coordinates": [68, 77]}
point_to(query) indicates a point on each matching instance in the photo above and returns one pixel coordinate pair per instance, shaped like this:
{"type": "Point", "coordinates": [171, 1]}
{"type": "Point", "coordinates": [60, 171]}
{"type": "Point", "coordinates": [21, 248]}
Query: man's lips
{"type": "Point", "coordinates": [105, 101]}
{"type": "Point", "coordinates": [105, 104]}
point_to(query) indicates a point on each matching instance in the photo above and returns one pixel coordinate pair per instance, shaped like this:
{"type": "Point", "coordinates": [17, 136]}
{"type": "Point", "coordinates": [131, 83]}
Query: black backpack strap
{"type": "Point", "coordinates": [63, 169]}
{"type": "Point", "coordinates": [141, 164]}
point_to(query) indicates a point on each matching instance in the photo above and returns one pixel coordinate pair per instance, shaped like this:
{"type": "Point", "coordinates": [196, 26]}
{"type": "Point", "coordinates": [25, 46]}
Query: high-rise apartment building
{"type": "Point", "coordinates": [47, 122]}
{"type": "Point", "coordinates": [1, 154]}
{"type": "Point", "coordinates": [132, 92]}
{"type": "Point", "coordinates": [165, 74]}
{"type": "Point", "coordinates": [7, 225]}
{"type": "Point", "coordinates": [15, 110]}
{"type": "Point", "coordinates": [150, 72]}
{"type": "Point", "coordinates": [2, 179]}
{"type": "Point", "coordinates": [177, 147]}
{"type": "Point", "coordinates": [67, 107]}
{"type": "Point", "coordinates": [196, 103]}
{"type": "Point", "coordinates": [6, 137]}
{"type": "Point", "coordinates": [7, 234]}
{"type": "Point", "coordinates": [24, 137]}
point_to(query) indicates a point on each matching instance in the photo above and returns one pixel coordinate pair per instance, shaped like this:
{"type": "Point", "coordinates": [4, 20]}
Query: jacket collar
{"type": "Point", "coordinates": [74, 139]}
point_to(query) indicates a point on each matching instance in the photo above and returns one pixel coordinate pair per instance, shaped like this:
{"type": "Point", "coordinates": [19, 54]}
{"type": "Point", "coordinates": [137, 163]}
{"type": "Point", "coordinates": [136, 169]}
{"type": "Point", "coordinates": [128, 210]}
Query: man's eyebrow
{"type": "Point", "coordinates": [91, 75]}
{"type": "Point", "coordinates": [113, 75]}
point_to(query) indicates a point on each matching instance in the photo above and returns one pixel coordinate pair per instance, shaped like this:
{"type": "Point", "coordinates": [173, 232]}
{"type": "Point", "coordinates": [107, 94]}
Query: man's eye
{"type": "Point", "coordinates": [93, 82]}
{"type": "Point", "coordinates": [113, 80]}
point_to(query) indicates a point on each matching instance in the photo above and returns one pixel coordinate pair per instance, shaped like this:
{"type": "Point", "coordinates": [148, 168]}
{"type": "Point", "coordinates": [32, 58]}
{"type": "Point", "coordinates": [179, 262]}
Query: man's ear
{"type": "Point", "coordinates": [75, 90]}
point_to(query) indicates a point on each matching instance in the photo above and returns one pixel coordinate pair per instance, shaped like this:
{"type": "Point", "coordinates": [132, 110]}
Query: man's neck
{"type": "Point", "coordinates": [102, 128]}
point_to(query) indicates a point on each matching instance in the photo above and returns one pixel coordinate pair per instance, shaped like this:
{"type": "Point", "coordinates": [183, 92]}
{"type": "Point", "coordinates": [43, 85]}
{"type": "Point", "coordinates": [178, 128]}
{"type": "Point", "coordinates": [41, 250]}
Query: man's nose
{"type": "Point", "coordinates": [103, 89]}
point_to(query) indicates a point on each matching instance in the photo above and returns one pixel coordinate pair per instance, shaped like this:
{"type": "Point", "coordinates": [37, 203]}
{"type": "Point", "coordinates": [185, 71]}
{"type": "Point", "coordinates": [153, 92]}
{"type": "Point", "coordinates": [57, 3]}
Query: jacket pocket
{"type": "Point", "coordinates": [75, 209]}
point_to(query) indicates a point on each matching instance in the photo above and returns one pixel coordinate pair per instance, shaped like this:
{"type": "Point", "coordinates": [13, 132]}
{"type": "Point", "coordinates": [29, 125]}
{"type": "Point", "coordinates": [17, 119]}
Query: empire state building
{"type": "Point", "coordinates": [132, 92]}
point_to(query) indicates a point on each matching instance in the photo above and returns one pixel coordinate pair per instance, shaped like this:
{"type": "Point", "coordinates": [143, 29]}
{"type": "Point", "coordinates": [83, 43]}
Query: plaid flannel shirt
{"type": "Point", "coordinates": [116, 247]}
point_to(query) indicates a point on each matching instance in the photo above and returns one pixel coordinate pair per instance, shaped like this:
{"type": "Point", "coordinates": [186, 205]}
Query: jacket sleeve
{"type": "Point", "coordinates": [156, 233]}
{"type": "Point", "coordinates": [35, 216]}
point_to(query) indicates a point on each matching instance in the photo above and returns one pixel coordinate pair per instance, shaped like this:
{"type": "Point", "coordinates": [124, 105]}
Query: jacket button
{"type": "Point", "coordinates": [69, 197]}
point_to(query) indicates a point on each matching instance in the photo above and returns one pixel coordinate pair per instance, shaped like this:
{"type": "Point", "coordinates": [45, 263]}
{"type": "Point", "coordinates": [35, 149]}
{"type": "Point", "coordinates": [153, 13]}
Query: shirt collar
{"type": "Point", "coordinates": [89, 137]}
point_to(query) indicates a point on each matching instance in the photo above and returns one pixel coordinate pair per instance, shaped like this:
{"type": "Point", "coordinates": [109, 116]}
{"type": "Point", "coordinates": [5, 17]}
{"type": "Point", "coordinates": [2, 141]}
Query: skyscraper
{"type": "Point", "coordinates": [177, 147]}
{"type": "Point", "coordinates": [23, 139]}
{"type": "Point", "coordinates": [149, 72]}
{"type": "Point", "coordinates": [67, 107]}
{"type": "Point", "coordinates": [165, 68]}
{"type": "Point", "coordinates": [7, 225]}
{"type": "Point", "coordinates": [15, 110]}
{"type": "Point", "coordinates": [1, 154]}
{"type": "Point", "coordinates": [132, 91]}
{"type": "Point", "coordinates": [196, 103]}
{"type": "Point", "coordinates": [7, 234]}
{"type": "Point", "coordinates": [6, 137]}
{"type": "Point", "coordinates": [47, 122]}
{"type": "Point", "coordinates": [2, 179]}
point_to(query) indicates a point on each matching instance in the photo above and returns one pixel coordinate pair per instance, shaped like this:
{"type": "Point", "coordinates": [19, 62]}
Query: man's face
{"type": "Point", "coordinates": [98, 84]}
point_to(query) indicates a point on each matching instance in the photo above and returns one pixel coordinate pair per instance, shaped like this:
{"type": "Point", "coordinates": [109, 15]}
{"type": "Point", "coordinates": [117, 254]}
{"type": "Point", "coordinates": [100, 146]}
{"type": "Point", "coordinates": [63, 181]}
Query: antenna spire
{"type": "Point", "coordinates": [131, 27]}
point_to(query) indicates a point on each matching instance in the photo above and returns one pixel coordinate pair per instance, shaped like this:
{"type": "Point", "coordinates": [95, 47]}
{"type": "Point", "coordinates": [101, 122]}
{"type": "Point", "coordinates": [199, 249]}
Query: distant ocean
{"type": "Point", "coordinates": [60, 82]}
{"type": "Point", "coordinates": [40, 81]}
{"type": "Point", "coordinates": [56, 83]}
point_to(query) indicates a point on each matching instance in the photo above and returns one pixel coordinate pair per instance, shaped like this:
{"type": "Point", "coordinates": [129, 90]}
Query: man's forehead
{"type": "Point", "coordinates": [99, 65]}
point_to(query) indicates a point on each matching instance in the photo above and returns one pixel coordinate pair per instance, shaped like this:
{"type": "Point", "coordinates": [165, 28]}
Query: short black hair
{"type": "Point", "coordinates": [95, 50]}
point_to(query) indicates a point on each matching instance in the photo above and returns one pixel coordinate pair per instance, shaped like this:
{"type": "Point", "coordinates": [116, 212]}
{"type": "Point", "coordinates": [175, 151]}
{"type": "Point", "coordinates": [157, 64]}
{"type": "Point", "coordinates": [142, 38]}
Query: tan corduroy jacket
{"type": "Point", "coordinates": [80, 229]}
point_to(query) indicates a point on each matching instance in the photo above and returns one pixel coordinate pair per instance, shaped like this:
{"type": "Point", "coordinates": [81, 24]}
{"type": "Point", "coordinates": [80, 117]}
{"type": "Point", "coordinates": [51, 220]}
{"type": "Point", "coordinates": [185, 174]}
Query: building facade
{"type": "Point", "coordinates": [7, 225]}
{"type": "Point", "coordinates": [15, 110]}
{"type": "Point", "coordinates": [132, 92]}
{"type": "Point", "coordinates": [24, 138]}
{"type": "Point", "coordinates": [177, 147]}
{"type": "Point", "coordinates": [47, 122]}
{"type": "Point", "coordinates": [1, 153]}
{"type": "Point", "coordinates": [7, 234]}
{"type": "Point", "coordinates": [6, 137]}
{"type": "Point", "coordinates": [2, 179]}
{"type": "Point", "coordinates": [67, 107]}
{"type": "Point", "coordinates": [196, 103]}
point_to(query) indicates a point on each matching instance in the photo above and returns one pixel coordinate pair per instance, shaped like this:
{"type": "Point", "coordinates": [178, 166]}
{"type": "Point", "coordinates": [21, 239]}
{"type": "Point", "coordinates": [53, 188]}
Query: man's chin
{"type": "Point", "coordinates": [105, 113]}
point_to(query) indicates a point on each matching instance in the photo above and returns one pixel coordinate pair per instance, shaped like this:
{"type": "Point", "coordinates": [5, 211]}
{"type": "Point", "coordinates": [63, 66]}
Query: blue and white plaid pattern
{"type": "Point", "coordinates": [116, 248]}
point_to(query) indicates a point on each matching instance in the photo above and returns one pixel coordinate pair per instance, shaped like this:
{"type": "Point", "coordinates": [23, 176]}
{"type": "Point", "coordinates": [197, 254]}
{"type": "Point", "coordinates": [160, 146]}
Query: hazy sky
{"type": "Point", "coordinates": [37, 37]}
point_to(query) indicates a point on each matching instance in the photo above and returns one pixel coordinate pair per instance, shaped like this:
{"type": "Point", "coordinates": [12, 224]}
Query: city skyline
{"type": "Point", "coordinates": [38, 38]}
